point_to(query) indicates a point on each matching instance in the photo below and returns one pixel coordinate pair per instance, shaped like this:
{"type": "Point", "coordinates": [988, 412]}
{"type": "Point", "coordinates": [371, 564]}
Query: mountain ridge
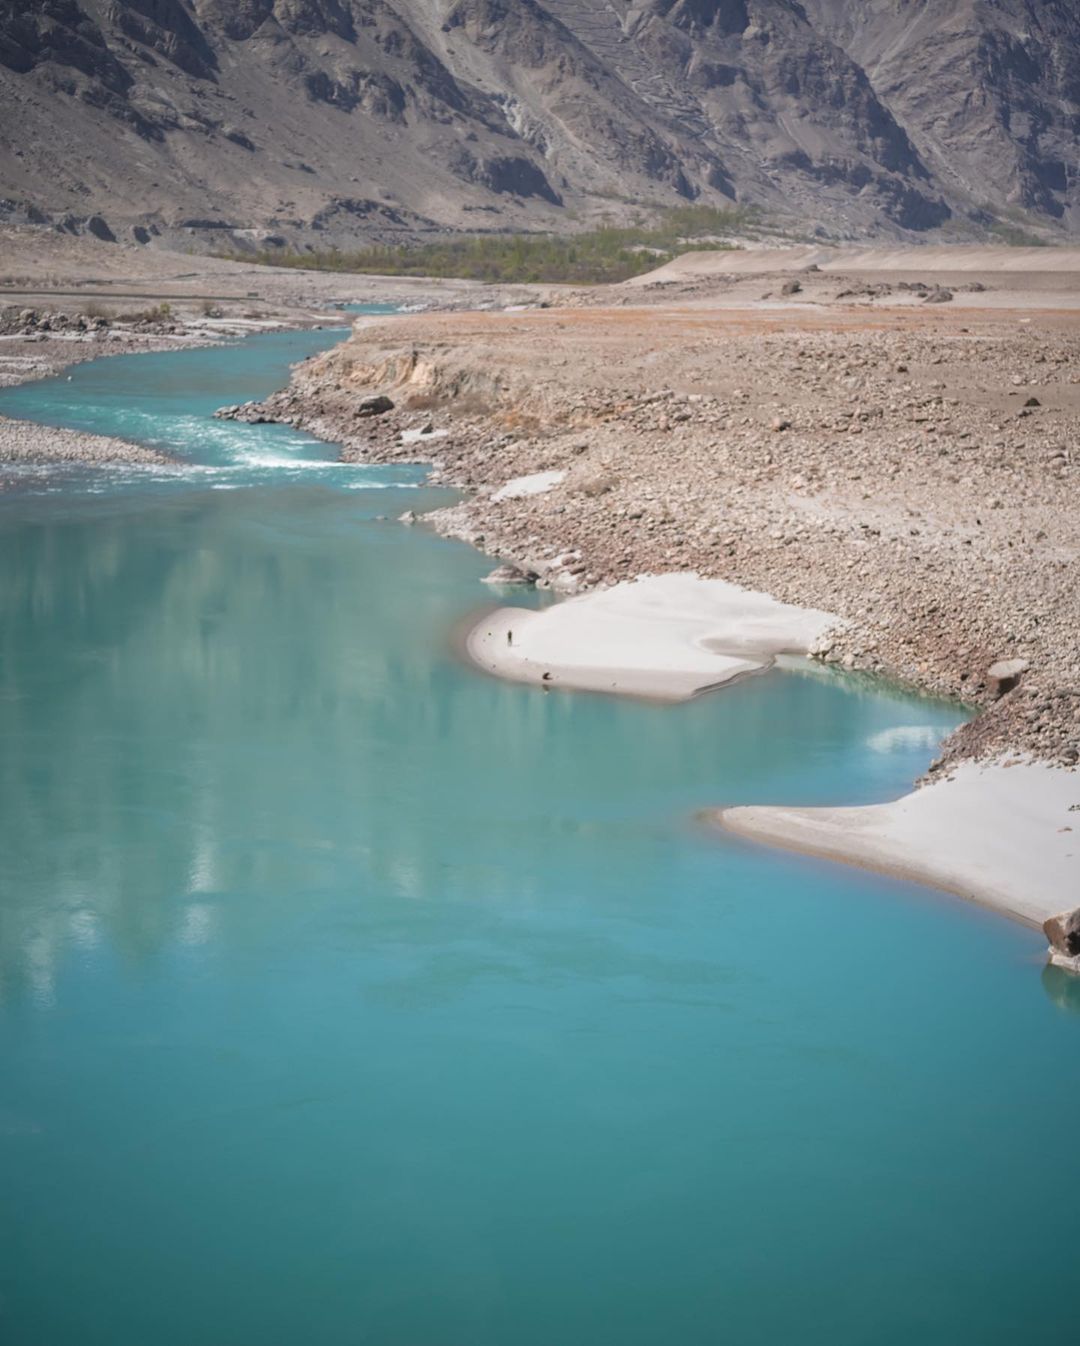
{"type": "Point", "coordinates": [329, 122]}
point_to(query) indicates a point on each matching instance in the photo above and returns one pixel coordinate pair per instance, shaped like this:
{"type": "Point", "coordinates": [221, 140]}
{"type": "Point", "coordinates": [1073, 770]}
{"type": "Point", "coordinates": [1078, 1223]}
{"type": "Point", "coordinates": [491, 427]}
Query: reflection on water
{"type": "Point", "coordinates": [203, 697]}
{"type": "Point", "coordinates": [1062, 988]}
{"type": "Point", "coordinates": [924, 737]}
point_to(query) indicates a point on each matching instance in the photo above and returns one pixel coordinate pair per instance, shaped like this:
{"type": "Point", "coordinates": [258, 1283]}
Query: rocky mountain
{"type": "Point", "coordinates": [329, 122]}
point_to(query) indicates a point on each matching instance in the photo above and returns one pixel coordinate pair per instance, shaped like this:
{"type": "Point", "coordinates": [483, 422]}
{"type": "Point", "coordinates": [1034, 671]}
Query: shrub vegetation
{"type": "Point", "coordinates": [611, 253]}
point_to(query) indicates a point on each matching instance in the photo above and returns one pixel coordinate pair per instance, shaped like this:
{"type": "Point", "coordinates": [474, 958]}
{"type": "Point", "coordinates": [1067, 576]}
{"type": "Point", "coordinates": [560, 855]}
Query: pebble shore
{"type": "Point", "coordinates": [917, 476]}
{"type": "Point", "coordinates": [26, 442]}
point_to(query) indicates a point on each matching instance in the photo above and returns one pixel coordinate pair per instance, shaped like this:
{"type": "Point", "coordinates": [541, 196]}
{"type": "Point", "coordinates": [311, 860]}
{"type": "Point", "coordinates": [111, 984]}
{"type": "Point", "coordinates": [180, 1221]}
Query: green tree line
{"type": "Point", "coordinates": [611, 253]}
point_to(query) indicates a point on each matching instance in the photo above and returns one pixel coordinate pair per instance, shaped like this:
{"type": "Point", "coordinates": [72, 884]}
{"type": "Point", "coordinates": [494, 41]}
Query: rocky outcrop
{"type": "Point", "coordinates": [1063, 932]}
{"type": "Point", "coordinates": [259, 114]}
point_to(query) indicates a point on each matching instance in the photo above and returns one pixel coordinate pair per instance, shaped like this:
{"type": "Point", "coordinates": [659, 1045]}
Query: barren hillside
{"type": "Point", "coordinates": [214, 122]}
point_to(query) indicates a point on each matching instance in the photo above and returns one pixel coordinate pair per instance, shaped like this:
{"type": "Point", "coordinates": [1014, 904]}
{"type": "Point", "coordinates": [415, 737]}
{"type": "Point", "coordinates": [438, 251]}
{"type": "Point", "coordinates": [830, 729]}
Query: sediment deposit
{"type": "Point", "coordinates": [26, 442]}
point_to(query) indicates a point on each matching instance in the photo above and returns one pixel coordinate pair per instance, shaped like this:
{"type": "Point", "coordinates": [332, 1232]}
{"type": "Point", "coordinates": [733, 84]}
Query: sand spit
{"type": "Point", "coordinates": [662, 636]}
{"type": "Point", "coordinates": [1005, 834]}
{"type": "Point", "coordinates": [25, 443]}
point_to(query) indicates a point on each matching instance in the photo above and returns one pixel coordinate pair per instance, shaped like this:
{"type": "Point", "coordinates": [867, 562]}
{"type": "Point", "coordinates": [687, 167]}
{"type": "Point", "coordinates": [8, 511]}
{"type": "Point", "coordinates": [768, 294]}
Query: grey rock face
{"type": "Point", "coordinates": [988, 92]}
{"type": "Point", "coordinates": [199, 118]}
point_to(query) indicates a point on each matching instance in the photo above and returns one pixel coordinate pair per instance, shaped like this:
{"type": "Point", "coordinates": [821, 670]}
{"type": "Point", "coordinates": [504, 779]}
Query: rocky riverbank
{"type": "Point", "coordinates": [40, 342]}
{"type": "Point", "coordinates": [914, 473]}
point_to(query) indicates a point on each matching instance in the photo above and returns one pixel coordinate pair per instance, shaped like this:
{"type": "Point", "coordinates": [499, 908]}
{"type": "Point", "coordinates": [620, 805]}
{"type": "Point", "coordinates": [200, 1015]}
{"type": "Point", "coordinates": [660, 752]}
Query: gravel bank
{"type": "Point", "coordinates": [26, 442]}
{"type": "Point", "coordinates": [913, 472]}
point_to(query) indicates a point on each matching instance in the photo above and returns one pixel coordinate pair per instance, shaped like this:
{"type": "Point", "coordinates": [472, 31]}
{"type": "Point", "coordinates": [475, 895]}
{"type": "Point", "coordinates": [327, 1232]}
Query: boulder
{"type": "Point", "coordinates": [510, 574]}
{"type": "Point", "coordinates": [251, 413]}
{"type": "Point", "coordinates": [1003, 676]}
{"type": "Point", "coordinates": [377, 405]}
{"type": "Point", "coordinates": [1063, 932]}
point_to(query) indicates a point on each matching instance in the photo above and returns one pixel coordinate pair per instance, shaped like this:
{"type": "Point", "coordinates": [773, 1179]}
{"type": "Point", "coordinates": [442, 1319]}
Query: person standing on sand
{"type": "Point", "coordinates": [509, 637]}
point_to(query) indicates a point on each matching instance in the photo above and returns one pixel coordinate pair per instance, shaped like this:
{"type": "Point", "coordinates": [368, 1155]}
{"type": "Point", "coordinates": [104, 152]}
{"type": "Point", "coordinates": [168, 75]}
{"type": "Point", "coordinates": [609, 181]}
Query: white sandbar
{"type": "Point", "coordinates": [663, 636]}
{"type": "Point", "coordinates": [1000, 835]}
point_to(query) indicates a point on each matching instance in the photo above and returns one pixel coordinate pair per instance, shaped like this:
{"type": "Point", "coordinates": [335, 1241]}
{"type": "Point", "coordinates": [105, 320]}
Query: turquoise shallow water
{"type": "Point", "coordinates": [349, 996]}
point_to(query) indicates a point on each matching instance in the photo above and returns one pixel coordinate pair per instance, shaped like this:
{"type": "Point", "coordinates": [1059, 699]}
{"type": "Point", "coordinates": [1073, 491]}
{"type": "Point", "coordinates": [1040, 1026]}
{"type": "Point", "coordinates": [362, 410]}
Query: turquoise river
{"type": "Point", "coordinates": [350, 996]}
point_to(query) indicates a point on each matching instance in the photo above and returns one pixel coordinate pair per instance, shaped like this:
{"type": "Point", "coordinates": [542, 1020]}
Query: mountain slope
{"type": "Point", "coordinates": [333, 121]}
{"type": "Point", "coordinates": [989, 90]}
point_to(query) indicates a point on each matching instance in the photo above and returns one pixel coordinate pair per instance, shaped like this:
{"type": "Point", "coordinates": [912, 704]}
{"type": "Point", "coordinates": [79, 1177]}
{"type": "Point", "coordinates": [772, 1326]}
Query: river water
{"type": "Point", "coordinates": [347, 995]}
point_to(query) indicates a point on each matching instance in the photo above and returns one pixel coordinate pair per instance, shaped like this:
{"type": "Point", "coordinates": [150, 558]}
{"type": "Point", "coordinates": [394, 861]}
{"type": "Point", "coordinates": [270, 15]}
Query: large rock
{"type": "Point", "coordinates": [1003, 676]}
{"type": "Point", "coordinates": [377, 405]}
{"type": "Point", "coordinates": [510, 575]}
{"type": "Point", "coordinates": [1063, 932]}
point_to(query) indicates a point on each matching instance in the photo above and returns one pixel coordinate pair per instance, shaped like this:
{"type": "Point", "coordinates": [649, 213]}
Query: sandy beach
{"type": "Point", "coordinates": [1004, 833]}
{"type": "Point", "coordinates": [667, 637]}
